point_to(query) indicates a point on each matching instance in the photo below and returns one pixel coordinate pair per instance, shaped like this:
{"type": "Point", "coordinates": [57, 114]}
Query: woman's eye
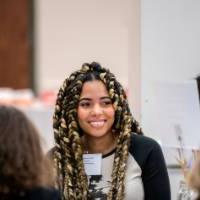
{"type": "Point", "coordinates": [106, 103]}
{"type": "Point", "coordinates": [84, 104]}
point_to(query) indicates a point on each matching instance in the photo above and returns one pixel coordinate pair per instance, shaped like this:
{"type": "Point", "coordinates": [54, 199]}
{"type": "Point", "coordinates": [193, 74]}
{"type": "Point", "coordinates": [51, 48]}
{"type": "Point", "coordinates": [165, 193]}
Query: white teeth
{"type": "Point", "coordinates": [97, 124]}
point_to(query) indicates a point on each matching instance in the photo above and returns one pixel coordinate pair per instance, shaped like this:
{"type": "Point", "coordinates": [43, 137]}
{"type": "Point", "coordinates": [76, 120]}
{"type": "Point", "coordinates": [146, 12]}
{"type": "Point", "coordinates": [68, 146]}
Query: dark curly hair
{"type": "Point", "coordinates": [22, 162]}
{"type": "Point", "coordinates": [67, 132]}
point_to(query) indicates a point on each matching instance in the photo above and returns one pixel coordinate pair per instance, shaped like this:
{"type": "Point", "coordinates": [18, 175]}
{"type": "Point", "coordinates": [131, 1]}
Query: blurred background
{"type": "Point", "coordinates": [143, 42]}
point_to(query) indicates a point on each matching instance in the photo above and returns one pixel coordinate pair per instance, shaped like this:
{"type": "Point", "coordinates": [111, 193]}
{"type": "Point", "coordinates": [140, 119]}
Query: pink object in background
{"type": "Point", "coordinates": [48, 97]}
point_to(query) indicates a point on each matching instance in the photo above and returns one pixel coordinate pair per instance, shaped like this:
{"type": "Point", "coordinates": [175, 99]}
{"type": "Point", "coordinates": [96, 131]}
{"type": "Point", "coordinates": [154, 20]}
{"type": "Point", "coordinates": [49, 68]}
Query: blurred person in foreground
{"type": "Point", "coordinates": [25, 172]}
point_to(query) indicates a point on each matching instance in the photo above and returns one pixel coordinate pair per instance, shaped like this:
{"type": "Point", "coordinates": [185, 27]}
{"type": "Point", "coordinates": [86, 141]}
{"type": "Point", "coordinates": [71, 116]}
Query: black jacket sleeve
{"type": "Point", "coordinates": [149, 156]}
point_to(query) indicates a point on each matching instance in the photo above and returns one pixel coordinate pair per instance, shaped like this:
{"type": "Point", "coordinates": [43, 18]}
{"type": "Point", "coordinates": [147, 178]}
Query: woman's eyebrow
{"type": "Point", "coordinates": [84, 99]}
{"type": "Point", "coordinates": [106, 97]}
{"type": "Point", "coordinates": [89, 99]}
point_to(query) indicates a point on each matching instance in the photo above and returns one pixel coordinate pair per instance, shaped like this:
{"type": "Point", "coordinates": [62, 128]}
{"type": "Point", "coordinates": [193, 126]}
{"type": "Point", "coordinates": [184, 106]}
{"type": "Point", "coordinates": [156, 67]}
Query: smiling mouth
{"type": "Point", "coordinates": [97, 124]}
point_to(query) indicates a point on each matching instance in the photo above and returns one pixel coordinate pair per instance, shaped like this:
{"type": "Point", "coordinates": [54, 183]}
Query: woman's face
{"type": "Point", "coordinates": [95, 110]}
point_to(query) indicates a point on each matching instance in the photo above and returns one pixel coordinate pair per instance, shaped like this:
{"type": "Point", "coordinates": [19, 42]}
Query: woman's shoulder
{"type": "Point", "coordinates": [141, 140]}
{"type": "Point", "coordinates": [141, 147]}
{"type": "Point", "coordinates": [51, 151]}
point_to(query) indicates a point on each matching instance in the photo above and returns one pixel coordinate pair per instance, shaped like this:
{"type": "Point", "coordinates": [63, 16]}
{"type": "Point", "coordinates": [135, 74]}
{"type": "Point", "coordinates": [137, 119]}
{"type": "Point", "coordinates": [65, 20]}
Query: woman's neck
{"type": "Point", "coordinates": [99, 145]}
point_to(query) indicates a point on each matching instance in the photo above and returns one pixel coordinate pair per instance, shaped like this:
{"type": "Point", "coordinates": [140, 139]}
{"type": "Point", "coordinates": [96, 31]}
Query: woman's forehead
{"type": "Point", "coordinates": [94, 88]}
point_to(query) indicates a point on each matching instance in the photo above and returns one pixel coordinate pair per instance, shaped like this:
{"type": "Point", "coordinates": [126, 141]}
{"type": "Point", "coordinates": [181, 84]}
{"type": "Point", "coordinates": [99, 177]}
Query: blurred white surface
{"type": "Point", "coordinates": [42, 118]}
{"type": "Point", "coordinates": [175, 108]}
{"type": "Point", "coordinates": [175, 176]}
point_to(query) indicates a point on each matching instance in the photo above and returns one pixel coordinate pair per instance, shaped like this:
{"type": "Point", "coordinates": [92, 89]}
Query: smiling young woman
{"type": "Point", "coordinates": [92, 116]}
{"type": "Point", "coordinates": [96, 116]}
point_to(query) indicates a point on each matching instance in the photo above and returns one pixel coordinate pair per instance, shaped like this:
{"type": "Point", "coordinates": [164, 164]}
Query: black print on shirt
{"type": "Point", "coordinates": [98, 187]}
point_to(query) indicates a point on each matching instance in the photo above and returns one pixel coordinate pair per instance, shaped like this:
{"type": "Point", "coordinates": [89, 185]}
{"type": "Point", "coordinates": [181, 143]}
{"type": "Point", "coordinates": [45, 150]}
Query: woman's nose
{"type": "Point", "coordinates": [96, 110]}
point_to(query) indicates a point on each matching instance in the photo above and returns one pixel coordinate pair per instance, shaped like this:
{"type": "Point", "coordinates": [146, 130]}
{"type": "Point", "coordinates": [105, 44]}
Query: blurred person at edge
{"type": "Point", "coordinates": [193, 176]}
{"type": "Point", "coordinates": [25, 172]}
{"type": "Point", "coordinates": [92, 120]}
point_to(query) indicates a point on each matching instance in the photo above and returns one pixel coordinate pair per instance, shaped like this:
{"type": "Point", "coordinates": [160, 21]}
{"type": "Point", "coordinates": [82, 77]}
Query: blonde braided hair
{"type": "Point", "coordinates": [68, 153]}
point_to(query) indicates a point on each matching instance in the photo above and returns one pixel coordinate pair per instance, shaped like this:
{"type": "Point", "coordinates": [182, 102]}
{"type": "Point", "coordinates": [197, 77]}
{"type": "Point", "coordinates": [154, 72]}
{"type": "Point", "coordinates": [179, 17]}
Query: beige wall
{"type": "Point", "coordinates": [69, 33]}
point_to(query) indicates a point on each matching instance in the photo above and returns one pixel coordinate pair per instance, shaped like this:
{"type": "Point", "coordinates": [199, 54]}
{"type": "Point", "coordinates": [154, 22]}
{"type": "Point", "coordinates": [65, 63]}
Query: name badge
{"type": "Point", "coordinates": [92, 163]}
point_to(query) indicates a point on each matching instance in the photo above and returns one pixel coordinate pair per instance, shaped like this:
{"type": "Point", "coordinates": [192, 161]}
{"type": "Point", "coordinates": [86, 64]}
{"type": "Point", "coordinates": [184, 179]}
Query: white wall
{"type": "Point", "coordinates": [170, 42]}
{"type": "Point", "coordinates": [170, 46]}
{"type": "Point", "coordinates": [170, 34]}
{"type": "Point", "coordinates": [69, 33]}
